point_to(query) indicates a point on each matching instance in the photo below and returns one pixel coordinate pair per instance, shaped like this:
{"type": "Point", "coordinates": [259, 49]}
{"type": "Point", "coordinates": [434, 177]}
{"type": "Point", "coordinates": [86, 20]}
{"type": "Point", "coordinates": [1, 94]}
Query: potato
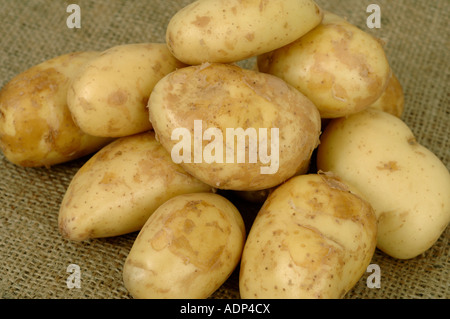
{"type": "Point", "coordinates": [339, 67]}
{"type": "Point", "coordinates": [392, 100]}
{"type": "Point", "coordinates": [117, 190]}
{"type": "Point", "coordinates": [36, 127]}
{"type": "Point", "coordinates": [407, 185]}
{"type": "Point", "coordinates": [187, 249]}
{"type": "Point", "coordinates": [109, 96]}
{"type": "Point", "coordinates": [312, 238]}
{"type": "Point", "coordinates": [234, 128]}
{"type": "Point", "coordinates": [224, 31]}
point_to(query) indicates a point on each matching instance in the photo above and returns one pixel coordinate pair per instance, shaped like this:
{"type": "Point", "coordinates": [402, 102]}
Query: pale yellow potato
{"type": "Point", "coordinates": [407, 185]}
{"type": "Point", "coordinates": [36, 127]}
{"type": "Point", "coordinates": [341, 68]}
{"type": "Point", "coordinates": [312, 239]}
{"type": "Point", "coordinates": [226, 98]}
{"type": "Point", "coordinates": [392, 100]}
{"type": "Point", "coordinates": [109, 96]}
{"type": "Point", "coordinates": [232, 30]}
{"type": "Point", "coordinates": [117, 190]}
{"type": "Point", "coordinates": [187, 249]}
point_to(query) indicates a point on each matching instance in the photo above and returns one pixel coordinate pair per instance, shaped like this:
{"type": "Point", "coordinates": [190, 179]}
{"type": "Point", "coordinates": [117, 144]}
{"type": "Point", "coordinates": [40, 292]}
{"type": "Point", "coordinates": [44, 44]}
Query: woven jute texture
{"type": "Point", "coordinates": [33, 256]}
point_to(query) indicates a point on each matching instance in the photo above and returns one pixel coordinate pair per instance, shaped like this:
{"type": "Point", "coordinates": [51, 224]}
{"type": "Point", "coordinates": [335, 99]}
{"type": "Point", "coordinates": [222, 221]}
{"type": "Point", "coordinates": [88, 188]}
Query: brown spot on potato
{"type": "Point", "coordinates": [161, 240]}
{"type": "Point", "coordinates": [262, 5]}
{"type": "Point", "coordinates": [118, 98]}
{"type": "Point", "coordinates": [318, 10]}
{"type": "Point", "coordinates": [390, 166]}
{"type": "Point", "coordinates": [229, 45]}
{"type": "Point", "coordinates": [202, 21]}
{"type": "Point", "coordinates": [157, 67]}
{"type": "Point", "coordinates": [412, 141]}
{"type": "Point", "coordinates": [250, 36]}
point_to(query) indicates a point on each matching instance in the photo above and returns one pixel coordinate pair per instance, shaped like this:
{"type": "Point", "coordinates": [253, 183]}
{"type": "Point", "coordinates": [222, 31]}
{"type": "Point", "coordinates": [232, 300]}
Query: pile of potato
{"type": "Point", "coordinates": [325, 84]}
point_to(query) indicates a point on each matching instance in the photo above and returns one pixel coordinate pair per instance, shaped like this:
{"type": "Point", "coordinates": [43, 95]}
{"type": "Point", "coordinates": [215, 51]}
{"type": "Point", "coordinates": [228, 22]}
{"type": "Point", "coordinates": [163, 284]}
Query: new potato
{"type": "Point", "coordinates": [116, 191]}
{"type": "Point", "coordinates": [407, 185]}
{"type": "Point", "coordinates": [312, 238]}
{"type": "Point", "coordinates": [224, 97]}
{"type": "Point", "coordinates": [232, 30]}
{"type": "Point", "coordinates": [109, 96]}
{"type": "Point", "coordinates": [36, 127]}
{"type": "Point", "coordinates": [339, 67]}
{"type": "Point", "coordinates": [187, 248]}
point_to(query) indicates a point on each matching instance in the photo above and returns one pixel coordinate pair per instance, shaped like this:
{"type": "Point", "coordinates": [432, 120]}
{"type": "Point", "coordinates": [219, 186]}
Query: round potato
{"type": "Point", "coordinates": [226, 31]}
{"type": "Point", "coordinates": [312, 238]}
{"type": "Point", "coordinates": [117, 190]}
{"type": "Point", "coordinates": [406, 184]}
{"type": "Point", "coordinates": [109, 96]}
{"type": "Point", "coordinates": [187, 248]}
{"type": "Point", "coordinates": [392, 100]}
{"type": "Point", "coordinates": [36, 127]}
{"type": "Point", "coordinates": [339, 67]}
{"type": "Point", "coordinates": [234, 128]}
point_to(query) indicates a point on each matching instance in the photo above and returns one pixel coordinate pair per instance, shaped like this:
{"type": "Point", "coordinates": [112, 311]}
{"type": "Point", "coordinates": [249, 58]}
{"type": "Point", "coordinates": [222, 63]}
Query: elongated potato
{"type": "Point", "coordinates": [233, 128]}
{"type": "Point", "coordinates": [117, 190]}
{"type": "Point", "coordinates": [109, 96]}
{"type": "Point", "coordinates": [187, 248]}
{"type": "Point", "coordinates": [36, 127]}
{"type": "Point", "coordinates": [232, 30]}
{"type": "Point", "coordinates": [339, 67]}
{"type": "Point", "coordinates": [312, 238]}
{"type": "Point", "coordinates": [407, 185]}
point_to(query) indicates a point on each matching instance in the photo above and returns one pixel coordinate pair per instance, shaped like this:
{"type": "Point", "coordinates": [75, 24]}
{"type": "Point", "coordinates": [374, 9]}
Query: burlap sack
{"type": "Point", "coordinates": [34, 258]}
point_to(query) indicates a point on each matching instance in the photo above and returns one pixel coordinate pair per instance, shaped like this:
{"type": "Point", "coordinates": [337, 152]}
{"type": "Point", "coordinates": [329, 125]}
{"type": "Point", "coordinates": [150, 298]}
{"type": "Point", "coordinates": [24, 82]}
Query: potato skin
{"type": "Point", "coordinates": [392, 100]}
{"type": "Point", "coordinates": [36, 127]}
{"type": "Point", "coordinates": [226, 96]}
{"type": "Point", "coordinates": [232, 30]}
{"type": "Point", "coordinates": [187, 248]}
{"type": "Point", "coordinates": [406, 184]}
{"type": "Point", "coordinates": [342, 69]}
{"type": "Point", "coordinates": [109, 96]}
{"type": "Point", "coordinates": [312, 239]}
{"type": "Point", "coordinates": [116, 191]}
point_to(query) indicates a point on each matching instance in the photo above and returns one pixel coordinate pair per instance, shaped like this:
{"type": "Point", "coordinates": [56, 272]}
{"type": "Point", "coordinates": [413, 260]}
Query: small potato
{"type": "Point", "coordinates": [223, 31]}
{"type": "Point", "coordinates": [406, 184]}
{"type": "Point", "coordinates": [116, 191]}
{"type": "Point", "coordinates": [36, 127]}
{"type": "Point", "coordinates": [234, 128]}
{"type": "Point", "coordinates": [339, 67]}
{"type": "Point", "coordinates": [392, 100]}
{"type": "Point", "coordinates": [109, 96]}
{"type": "Point", "coordinates": [312, 238]}
{"type": "Point", "coordinates": [187, 249]}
